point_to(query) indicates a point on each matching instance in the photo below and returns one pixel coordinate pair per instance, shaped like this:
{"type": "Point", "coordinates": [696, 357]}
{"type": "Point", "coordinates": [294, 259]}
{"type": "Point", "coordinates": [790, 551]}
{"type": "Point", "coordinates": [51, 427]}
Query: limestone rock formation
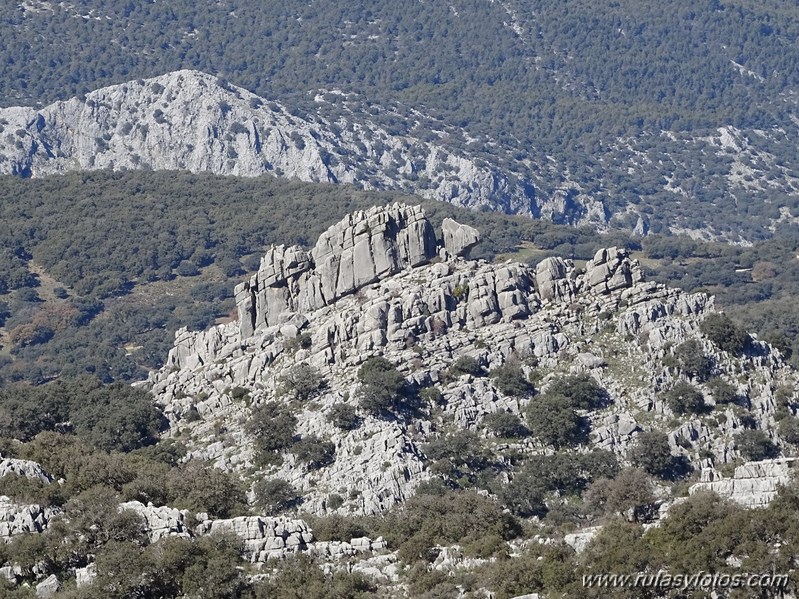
{"type": "Point", "coordinates": [333, 307]}
{"type": "Point", "coordinates": [16, 519]}
{"type": "Point", "coordinates": [24, 468]}
{"type": "Point", "coordinates": [188, 120]}
{"type": "Point", "coordinates": [459, 239]}
{"type": "Point", "coordinates": [753, 485]}
{"type": "Point", "coordinates": [361, 249]}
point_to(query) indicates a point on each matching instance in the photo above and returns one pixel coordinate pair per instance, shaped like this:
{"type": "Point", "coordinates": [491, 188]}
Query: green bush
{"type": "Point", "coordinates": [302, 382]}
{"type": "Point", "coordinates": [722, 391]}
{"type": "Point", "coordinates": [553, 421]}
{"type": "Point", "coordinates": [725, 334]}
{"type": "Point", "coordinates": [275, 495]}
{"type": "Point", "coordinates": [466, 365]}
{"type": "Point", "coordinates": [505, 424]}
{"type": "Point", "coordinates": [652, 453]}
{"type": "Point", "coordinates": [272, 425]}
{"type": "Point", "coordinates": [580, 391]}
{"type": "Point", "coordinates": [684, 398]}
{"type": "Point", "coordinates": [314, 452]}
{"type": "Point", "coordinates": [755, 445]}
{"type": "Point", "coordinates": [344, 416]}
{"type": "Point", "coordinates": [383, 389]}
{"type": "Point", "coordinates": [692, 360]}
{"type": "Point", "coordinates": [510, 380]}
{"type": "Point", "coordinates": [788, 429]}
{"type": "Point", "coordinates": [432, 396]}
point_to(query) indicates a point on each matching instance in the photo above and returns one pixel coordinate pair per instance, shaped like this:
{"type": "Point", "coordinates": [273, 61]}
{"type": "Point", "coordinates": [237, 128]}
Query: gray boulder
{"type": "Point", "coordinates": [459, 239]}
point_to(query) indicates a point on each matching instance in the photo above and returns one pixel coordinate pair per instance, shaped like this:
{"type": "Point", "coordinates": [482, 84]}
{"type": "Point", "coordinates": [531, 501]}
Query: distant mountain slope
{"type": "Point", "coordinates": [630, 104]}
{"type": "Point", "coordinates": [188, 120]}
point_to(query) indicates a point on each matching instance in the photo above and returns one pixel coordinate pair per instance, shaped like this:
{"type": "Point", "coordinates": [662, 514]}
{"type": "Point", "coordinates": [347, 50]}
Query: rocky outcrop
{"type": "Point", "coordinates": [361, 249]}
{"type": "Point", "coordinates": [459, 239]}
{"type": "Point", "coordinates": [159, 522]}
{"type": "Point", "coordinates": [753, 485]}
{"type": "Point", "coordinates": [25, 468]}
{"type": "Point", "coordinates": [422, 314]}
{"type": "Point", "coordinates": [16, 519]}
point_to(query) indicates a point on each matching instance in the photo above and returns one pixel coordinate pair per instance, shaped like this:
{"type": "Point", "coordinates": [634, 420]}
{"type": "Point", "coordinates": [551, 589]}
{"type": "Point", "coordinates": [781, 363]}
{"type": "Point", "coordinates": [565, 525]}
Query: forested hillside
{"type": "Point", "coordinates": [676, 116]}
{"type": "Point", "coordinates": [99, 269]}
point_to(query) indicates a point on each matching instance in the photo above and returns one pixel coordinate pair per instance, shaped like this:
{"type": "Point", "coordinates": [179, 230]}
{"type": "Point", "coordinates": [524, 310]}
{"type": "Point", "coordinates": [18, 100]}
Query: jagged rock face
{"type": "Point", "coordinates": [16, 519]}
{"type": "Point", "coordinates": [361, 249]}
{"type": "Point", "coordinates": [459, 239]}
{"type": "Point", "coordinates": [25, 468]}
{"type": "Point", "coordinates": [605, 321]}
{"type": "Point", "coordinates": [188, 120]}
{"type": "Point", "coordinates": [753, 485]}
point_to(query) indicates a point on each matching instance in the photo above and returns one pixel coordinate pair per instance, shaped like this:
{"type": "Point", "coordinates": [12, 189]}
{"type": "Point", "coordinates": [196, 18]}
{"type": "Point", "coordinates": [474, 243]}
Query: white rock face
{"type": "Point", "coordinates": [459, 239]}
{"type": "Point", "coordinates": [188, 120]}
{"type": "Point", "coordinates": [25, 468]}
{"type": "Point", "coordinates": [48, 587]}
{"type": "Point", "coordinates": [753, 485]}
{"type": "Point", "coordinates": [159, 522]}
{"type": "Point", "coordinates": [422, 315]}
{"type": "Point", "coordinates": [16, 519]}
{"type": "Point", "coordinates": [361, 249]}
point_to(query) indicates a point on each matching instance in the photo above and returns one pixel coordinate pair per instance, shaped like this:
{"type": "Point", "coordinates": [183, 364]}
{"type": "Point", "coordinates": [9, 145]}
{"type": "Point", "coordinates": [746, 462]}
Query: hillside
{"type": "Point", "coordinates": [670, 118]}
{"type": "Point", "coordinates": [377, 403]}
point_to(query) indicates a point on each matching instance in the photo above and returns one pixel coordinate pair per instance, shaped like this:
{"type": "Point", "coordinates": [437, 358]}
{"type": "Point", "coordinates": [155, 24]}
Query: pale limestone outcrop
{"type": "Point", "coordinates": [459, 239]}
{"type": "Point", "coordinates": [188, 120]}
{"type": "Point", "coordinates": [611, 270]}
{"type": "Point", "coordinates": [159, 522]}
{"type": "Point", "coordinates": [48, 587]}
{"type": "Point", "coordinates": [362, 248]}
{"type": "Point", "coordinates": [26, 468]}
{"type": "Point", "coordinates": [754, 484]}
{"type": "Point", "coordinates": [552, 319]}
{"type": "Point", "coordinates": [16, 519]}
{"type": "Point", "coordinates": [266, 538]}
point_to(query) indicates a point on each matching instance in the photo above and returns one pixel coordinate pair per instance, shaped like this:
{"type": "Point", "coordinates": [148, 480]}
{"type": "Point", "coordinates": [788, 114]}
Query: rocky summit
{"type": "Point", "coordinates": [382, 283]}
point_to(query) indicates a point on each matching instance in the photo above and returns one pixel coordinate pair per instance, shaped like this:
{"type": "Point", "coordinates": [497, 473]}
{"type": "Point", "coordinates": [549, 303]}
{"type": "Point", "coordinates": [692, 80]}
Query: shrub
{"type": "Point", "coordinates": [272, 425]}
{"type": "Point", "coordinates": [554, 422]}
{"type": "Point", "coordinates": [684, 398]}
{"type": "Point", "coordinates": [465, 365]}
{"type": "Point", "coordinates": [302, 382]}
{"type": "Point", "coordinates": [344, 416]}
{"type": "Point", "coordinates": [692, 360]}
{"type": "Point", "coordinates": [461, 517]}
{"type": "Point", "coordinates": [505, 424]}
{"type": "Point", "coordinates": [652, 453]}
{"type": "Point", "coordinates": [187, 269]}
{"type": "Point", "coordinates": [788, 428]}
{"type": "Point", "coordinates": [580, 391]}
{"type": "Point", "coordinates": [755, 445]}
{"type": "Point", "coordinates": [510, 380]}
{"type": "Point", "coordinates": [630, 490]}
{"type": "Point", "coordinates": [383, 389]}
{"type": "Point", "coordinates": [314, 452]}
{"type": "Point", "coordinates": [725, 334]}
{"type": "Point", "coordinates": [722, 391]}
{"type": "Point", "coordinates": [459, 457]}
{"type": "Point", "coordinates": [275, 495]}
{"type": "Point", "coordinates": [432, 396]}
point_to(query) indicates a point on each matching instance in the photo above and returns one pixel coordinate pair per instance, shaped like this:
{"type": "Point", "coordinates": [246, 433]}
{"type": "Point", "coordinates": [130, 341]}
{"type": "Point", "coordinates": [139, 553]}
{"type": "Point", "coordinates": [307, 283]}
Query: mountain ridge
{"type": "Point", "coordinates": [188, 120]}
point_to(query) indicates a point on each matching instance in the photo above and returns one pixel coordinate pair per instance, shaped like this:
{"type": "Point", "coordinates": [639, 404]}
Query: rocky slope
{"type": "Point", "coordinates": [376, 285]}
{"type": "Point", "coordinates": [193, 121]}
